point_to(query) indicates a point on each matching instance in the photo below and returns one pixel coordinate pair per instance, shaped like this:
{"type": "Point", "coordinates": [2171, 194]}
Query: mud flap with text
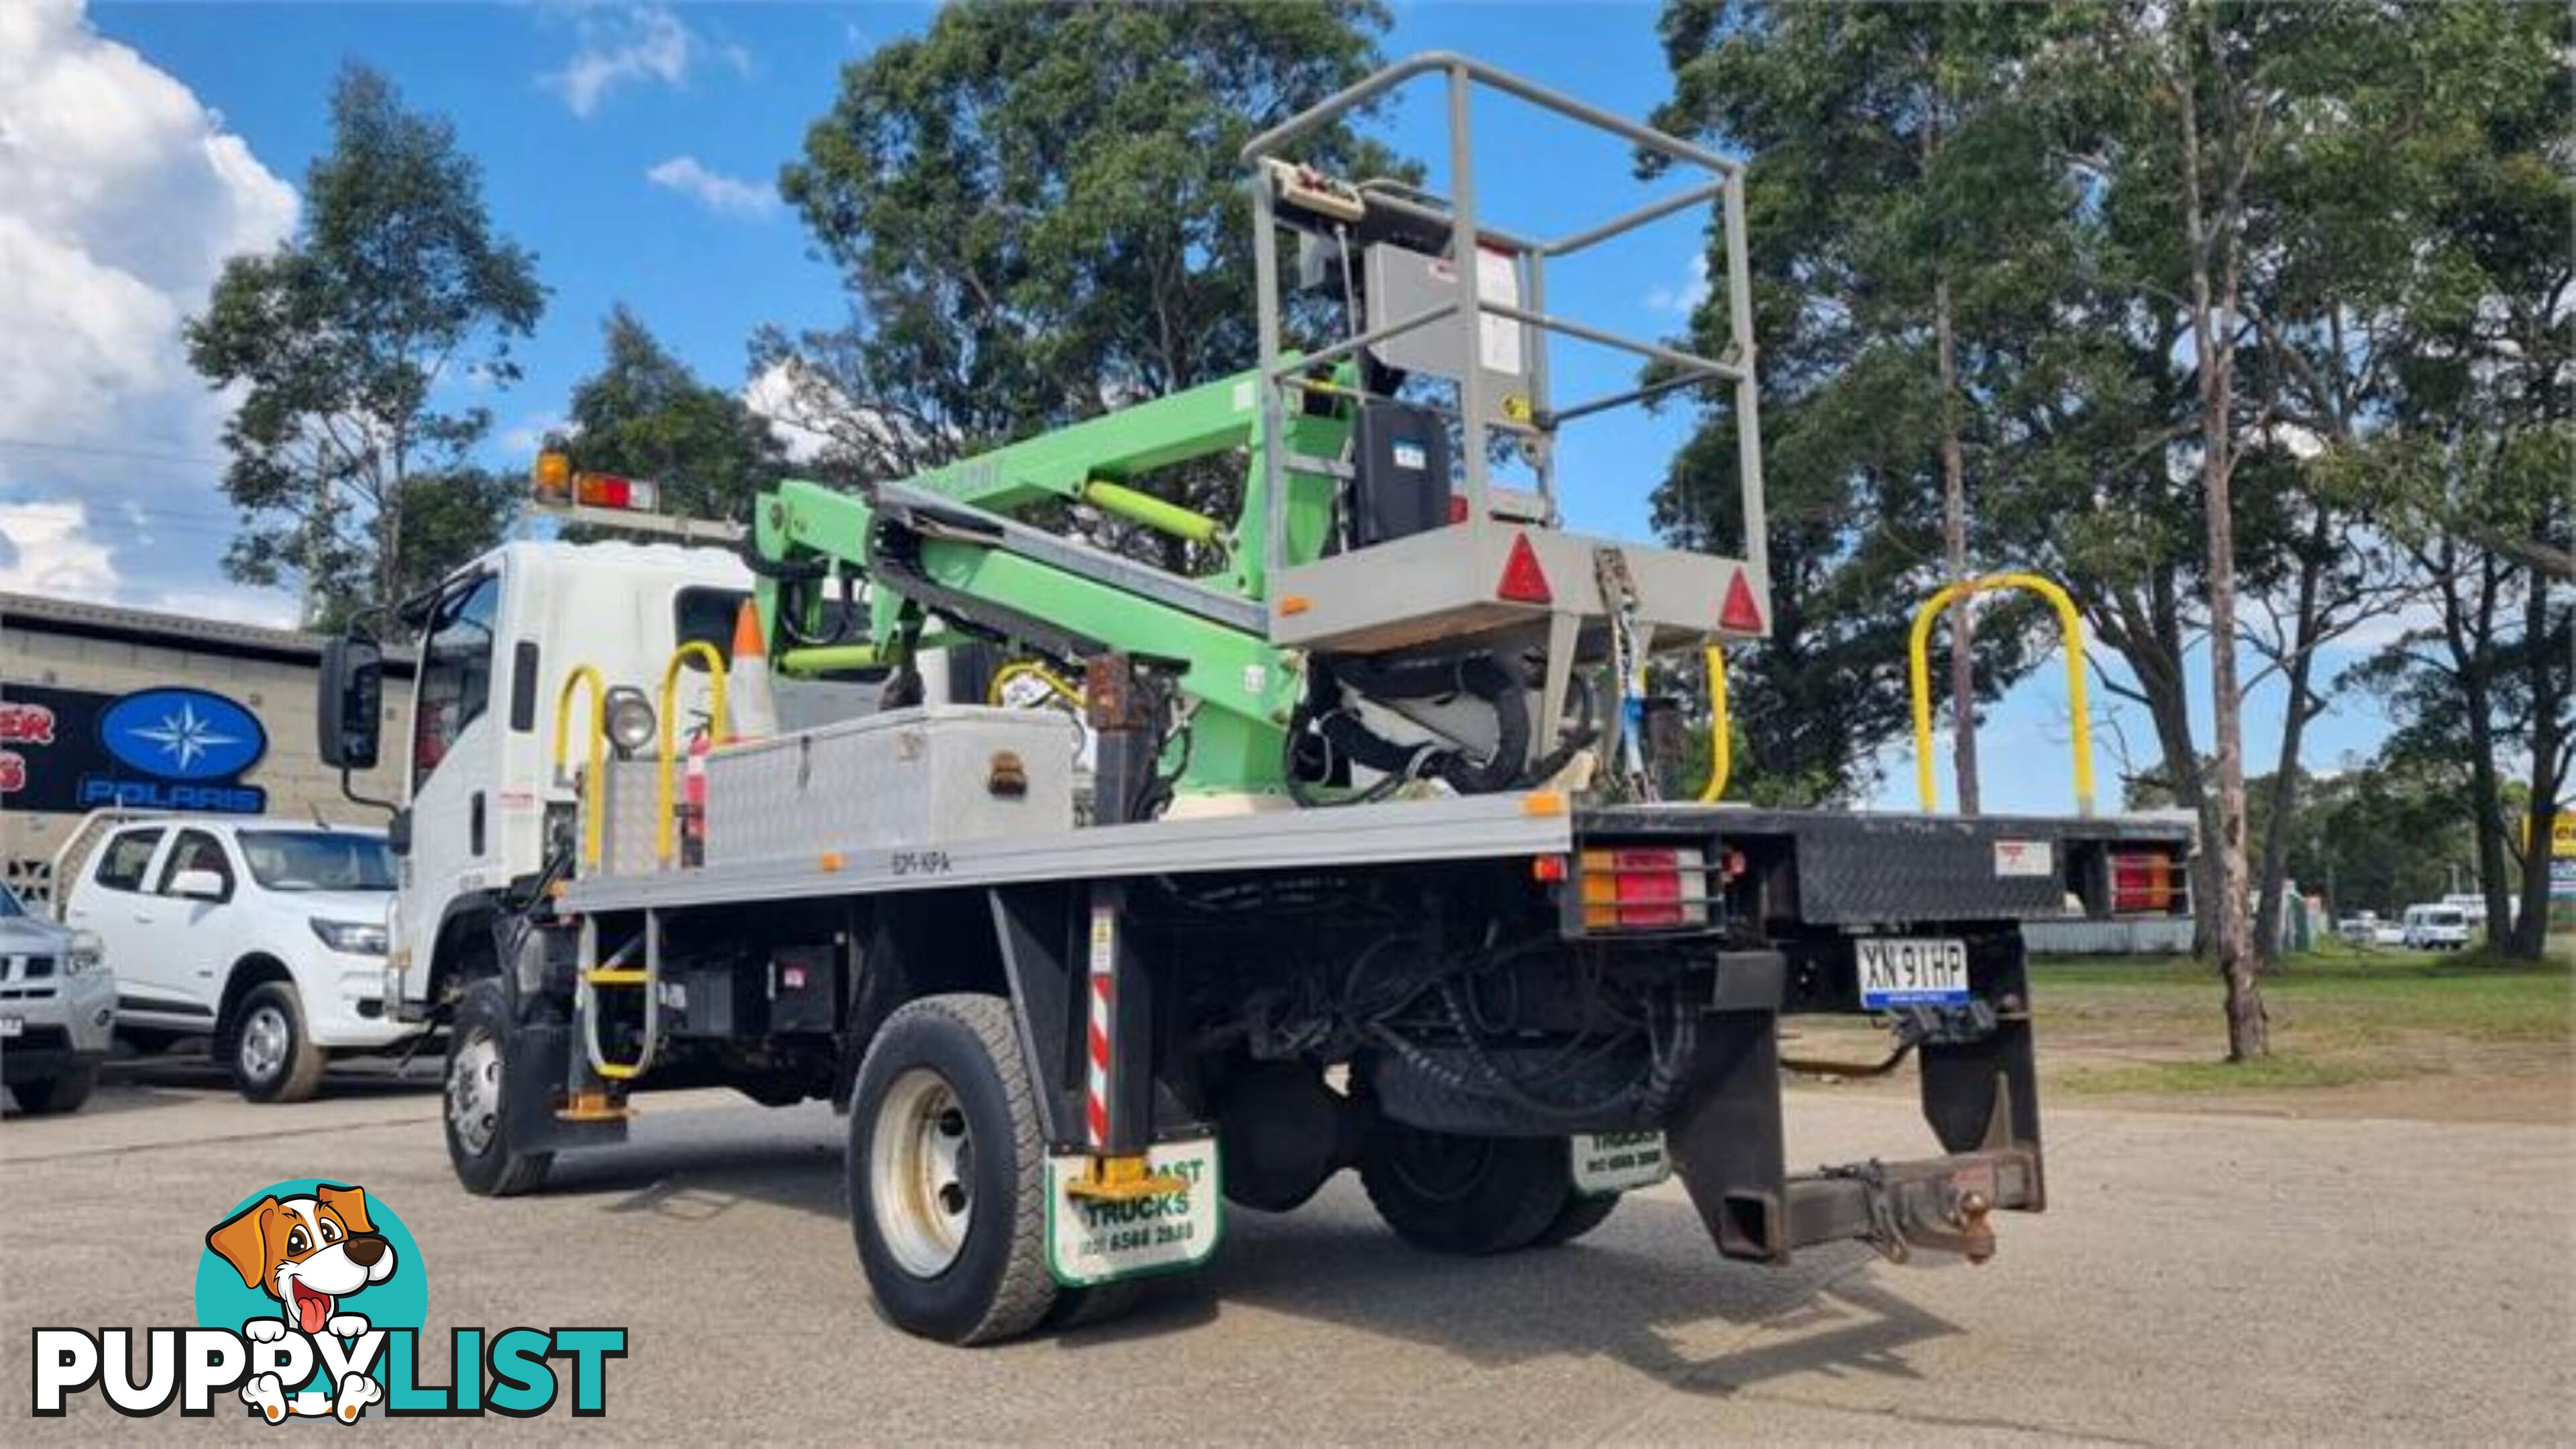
{"type": "Point", "coordinates": [1094, 1240]}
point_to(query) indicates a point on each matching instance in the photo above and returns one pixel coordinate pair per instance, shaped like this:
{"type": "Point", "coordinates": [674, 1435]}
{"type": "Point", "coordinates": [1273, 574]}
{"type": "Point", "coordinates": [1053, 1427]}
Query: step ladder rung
{"type": "Point", "coordinates": [619, 976]}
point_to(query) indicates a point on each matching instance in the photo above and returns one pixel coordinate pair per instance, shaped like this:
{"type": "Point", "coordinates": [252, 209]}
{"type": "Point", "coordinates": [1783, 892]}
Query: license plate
{"type": "Point", "coordinates": [1911, 972]}
{"type": "Point", "coordinates": [12, 1026]}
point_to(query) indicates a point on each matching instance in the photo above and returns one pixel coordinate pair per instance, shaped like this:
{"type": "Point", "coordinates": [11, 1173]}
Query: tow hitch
{"type": "Point", "coordinates": [1936, 1205]}
{"type": "Point", "coordinates": [1979, 1096]}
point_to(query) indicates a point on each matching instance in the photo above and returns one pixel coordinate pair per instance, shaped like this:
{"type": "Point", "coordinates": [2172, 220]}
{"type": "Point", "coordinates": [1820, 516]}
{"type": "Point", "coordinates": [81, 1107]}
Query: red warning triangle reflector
{"type": "Point", "coordinates": [1740, 614]}
{"type": "Point", "coordinates": [1524, 582]}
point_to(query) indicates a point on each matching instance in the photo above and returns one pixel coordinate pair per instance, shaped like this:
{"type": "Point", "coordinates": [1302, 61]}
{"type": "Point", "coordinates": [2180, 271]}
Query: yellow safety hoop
{"type": "Point", "coordinates": [2069, 622]}
{"type": "Point", "coordinates": [717, 725]}
{"type": "Point", "coordinates": [1721, 743]}
{"type": "Point", "coordinates": [594, 788]}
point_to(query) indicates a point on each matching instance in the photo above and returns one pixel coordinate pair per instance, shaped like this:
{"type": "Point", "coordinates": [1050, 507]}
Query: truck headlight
{"type": "Point", "coordinates": [356, 938]}
{"type": "Point", "coordinates": [631, 725]}
{"type": "Point", "coordinates": [85, 953]}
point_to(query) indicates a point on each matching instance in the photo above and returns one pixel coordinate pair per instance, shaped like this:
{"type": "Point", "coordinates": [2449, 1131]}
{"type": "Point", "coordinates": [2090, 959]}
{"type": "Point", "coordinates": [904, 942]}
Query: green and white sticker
{"type": "Point", "coordinates": [1607, 1162]}
{"type": "Point", "coordinates": [1090, 1241]}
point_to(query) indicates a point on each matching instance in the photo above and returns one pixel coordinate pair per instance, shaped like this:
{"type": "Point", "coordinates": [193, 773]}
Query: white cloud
{"type": "Point", "coordinates": [635, 44]}
{"type": "Point", "coordinates": [717, 192]}
{"type": "Point", "coordinates": [120, 197]}
{"type": "Point", "coordinates": [1684, 299]}
{"type": "Point", "coordinates": [46, 548]}
{"type": "Point", "coordinates": [787, 397]}
{"type": "Point", "coordinates": [520, 441]}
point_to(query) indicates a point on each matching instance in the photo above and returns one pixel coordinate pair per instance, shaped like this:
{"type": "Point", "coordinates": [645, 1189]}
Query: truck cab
{"type": "Point", "coordinates": [496, 639]}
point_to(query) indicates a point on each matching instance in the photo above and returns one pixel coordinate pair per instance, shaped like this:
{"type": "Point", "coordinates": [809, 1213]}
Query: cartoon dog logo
{"type": "Point", "coordinates": [308, 1253]}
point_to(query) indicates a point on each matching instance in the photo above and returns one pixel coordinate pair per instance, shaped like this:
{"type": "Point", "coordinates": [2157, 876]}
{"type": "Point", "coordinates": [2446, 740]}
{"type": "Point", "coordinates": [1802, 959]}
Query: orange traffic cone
{"type": "Point", "coordinates": [749, 699]}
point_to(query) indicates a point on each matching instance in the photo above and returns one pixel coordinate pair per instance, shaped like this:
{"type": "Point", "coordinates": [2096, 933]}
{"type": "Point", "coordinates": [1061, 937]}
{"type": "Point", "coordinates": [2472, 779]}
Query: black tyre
{"type": "Point", "coordinates": [272, 1056]}
{"type": "Point", "coordinates": [1092, 1306]}
{"type": "Point", "coordinates": [947, 1174]}
{"type": "Point", "coordinates": [1580, 1215]}
{"type": "Point", "coordinates": [64, 1091]}
{"type": "Point", "coordinates": [479, 1093]}
{"type": "Point", "coordinates": [1455, 1193]}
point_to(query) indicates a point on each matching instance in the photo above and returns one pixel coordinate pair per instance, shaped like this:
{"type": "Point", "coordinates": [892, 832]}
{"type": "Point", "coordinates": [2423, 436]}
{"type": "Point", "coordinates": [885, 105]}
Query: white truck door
{"type": "Point", "coordinates": [186, 938]}
{"type": "Point", "coordinates": [455, 753]}
{"type": "Point", "coordinates": [113, 899]}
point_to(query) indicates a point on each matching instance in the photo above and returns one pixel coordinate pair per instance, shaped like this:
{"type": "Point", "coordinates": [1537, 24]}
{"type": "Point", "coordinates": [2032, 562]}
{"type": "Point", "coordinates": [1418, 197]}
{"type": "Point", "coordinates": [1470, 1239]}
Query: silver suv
{"type": "Point", "coordinates": [57, 1002]}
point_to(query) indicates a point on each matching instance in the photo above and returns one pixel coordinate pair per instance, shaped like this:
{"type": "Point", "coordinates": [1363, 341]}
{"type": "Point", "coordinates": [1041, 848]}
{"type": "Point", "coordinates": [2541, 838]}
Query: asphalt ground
{"type": "Point", "coordinates": [2198, 1279]}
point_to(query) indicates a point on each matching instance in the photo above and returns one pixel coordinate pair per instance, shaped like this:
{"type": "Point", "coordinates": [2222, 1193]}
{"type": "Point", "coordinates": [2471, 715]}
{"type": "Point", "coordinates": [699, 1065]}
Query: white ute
{"type": "Point", "coordinates": [267, 935]}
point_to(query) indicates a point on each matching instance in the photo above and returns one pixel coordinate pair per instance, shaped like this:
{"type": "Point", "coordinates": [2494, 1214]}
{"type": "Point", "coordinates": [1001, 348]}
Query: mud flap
{"type": "Point", "coordinates": [1091, 1240]}
{"type": "Point", "coordinates": [535, 1055]}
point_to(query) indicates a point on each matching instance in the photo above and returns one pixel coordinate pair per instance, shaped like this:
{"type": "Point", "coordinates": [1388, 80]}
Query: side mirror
{"type": "Point", "coordinates": [398, 833]}
{"type": "Point", "coordinates": [197, 885]}
{"type": "Point", "coordinates": [349, 710]}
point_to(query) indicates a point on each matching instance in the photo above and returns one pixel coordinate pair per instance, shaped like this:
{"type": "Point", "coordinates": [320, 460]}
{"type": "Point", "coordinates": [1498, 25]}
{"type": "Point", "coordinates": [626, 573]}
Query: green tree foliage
{"type": "Point", "coordinates": [2381, 837]}
{"type": "Point", "coordinates": [2278, 315]}
{"type": "Point", "coordinates": [2472, 478]}
{"type": "Point", "coordinates": [1890, 202]}
{"type": "Point", "coordinates": [394, 282]}
{"type": "Point", "coordinates": [1039, 213]}
{"type": "Point", "coordinates": [645, 415]}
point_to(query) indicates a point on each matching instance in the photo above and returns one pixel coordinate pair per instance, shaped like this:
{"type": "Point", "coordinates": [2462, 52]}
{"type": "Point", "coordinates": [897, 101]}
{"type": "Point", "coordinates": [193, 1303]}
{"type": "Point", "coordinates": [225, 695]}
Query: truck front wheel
{"type": "Point", "coordinates": [1454, 1192]}
{"type": "Point", "coordinates": [480, 1088]}
{"type": "Point", "coordinates": [947, 1173]}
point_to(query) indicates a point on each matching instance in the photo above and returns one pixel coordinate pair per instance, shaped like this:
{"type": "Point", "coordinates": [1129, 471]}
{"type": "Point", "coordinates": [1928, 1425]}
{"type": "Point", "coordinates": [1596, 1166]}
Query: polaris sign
{"type": "Point", "coordinates": [179, 749]}
{"type": "Point", "coordinates": [170, 748]}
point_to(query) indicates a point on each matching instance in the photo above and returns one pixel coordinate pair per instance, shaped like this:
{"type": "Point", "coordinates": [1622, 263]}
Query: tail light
{"type": "Point", "coordinates": [2146, 882]}
{"type": "Point", "coordinates": [1642, 888]}
{"type": "Point", "coordinates": [607, 490]}
{"type": "Point", "coordinates": [559, 483]}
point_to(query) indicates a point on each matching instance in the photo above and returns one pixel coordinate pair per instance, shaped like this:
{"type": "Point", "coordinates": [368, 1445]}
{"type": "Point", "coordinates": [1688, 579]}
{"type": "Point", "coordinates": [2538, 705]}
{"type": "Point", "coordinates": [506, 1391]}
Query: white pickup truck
{"type": "Point", "coordinates": [266, 935]}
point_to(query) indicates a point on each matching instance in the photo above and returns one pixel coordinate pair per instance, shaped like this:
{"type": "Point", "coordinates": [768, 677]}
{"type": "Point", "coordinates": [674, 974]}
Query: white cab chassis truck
{"type": "Point", "coordinates": [1336, 901]}
{"type": "Point", "coordinates": [1501, 1010]}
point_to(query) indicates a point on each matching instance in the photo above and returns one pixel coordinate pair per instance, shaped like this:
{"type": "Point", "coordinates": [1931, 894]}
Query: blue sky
{"type": "Point", "coordinates": [635, 149]}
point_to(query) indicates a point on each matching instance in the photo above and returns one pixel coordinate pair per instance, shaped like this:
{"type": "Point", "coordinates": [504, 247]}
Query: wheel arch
{"type": "Point", "coordinates": [252, 969]}
{"type": "Point", "coordinates": [910, 946]}
{"type": "Point", "coordinates": [464, 939]}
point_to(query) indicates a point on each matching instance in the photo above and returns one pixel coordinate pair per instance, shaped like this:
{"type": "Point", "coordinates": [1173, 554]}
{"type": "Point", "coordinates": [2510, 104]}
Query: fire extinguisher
{"type": "Point", "coordinates": [693, 803]}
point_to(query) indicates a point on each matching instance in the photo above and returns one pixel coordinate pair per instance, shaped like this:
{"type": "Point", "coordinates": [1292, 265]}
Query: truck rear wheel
{"type": "Point", "coordinates": [481, 1144]}
{"type": "Point", "coordinates": [947, 1173]}
{"type": "Point", "coordinates": [1580, 1215]}
{"type": "Point", "coordinates": [1456, 1193]}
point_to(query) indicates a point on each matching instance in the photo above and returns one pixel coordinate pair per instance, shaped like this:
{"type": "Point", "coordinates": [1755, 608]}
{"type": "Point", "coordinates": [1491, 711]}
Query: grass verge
{"type": "Point", "coordinates": [2338, 1018]}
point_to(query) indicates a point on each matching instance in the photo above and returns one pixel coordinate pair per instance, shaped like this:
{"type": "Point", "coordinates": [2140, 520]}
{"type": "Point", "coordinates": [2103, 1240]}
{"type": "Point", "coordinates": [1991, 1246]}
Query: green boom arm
{"type": "Point", "coordinates": [1240, 688]}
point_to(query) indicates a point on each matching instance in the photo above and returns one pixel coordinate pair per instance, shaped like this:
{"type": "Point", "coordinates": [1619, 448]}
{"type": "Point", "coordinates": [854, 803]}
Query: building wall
{"type": "Point", "coordinates": [279, 692]}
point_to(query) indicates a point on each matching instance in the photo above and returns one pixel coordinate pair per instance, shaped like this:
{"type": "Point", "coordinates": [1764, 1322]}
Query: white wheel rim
{"type": "Point", "coordinates": [474, 1091]}
{"type": "Point", "coordinates": [264, 1039]}
{"type": "Point", "coordinates": [921, 1167]}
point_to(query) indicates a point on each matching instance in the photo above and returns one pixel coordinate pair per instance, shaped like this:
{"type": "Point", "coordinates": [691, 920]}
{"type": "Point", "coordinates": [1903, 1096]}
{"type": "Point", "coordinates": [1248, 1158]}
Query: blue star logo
{"type": "Point", "coordinates": [183, 736]}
